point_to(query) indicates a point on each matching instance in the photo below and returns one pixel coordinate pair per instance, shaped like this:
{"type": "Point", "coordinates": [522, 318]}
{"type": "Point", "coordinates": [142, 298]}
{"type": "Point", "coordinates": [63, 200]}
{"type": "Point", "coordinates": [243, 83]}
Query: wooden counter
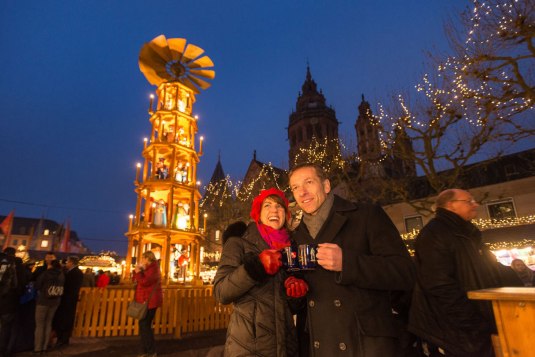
{"type": "Point", "coordinates": [514, 310]}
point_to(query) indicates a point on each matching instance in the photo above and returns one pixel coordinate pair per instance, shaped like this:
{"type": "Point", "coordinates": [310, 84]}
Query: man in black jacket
{"type": "Point", "coordinates": [361, 259]}
{"type": "Point", "coordinates": [451, 259]}
{"type": "Point", "coordinates": [64, 318]}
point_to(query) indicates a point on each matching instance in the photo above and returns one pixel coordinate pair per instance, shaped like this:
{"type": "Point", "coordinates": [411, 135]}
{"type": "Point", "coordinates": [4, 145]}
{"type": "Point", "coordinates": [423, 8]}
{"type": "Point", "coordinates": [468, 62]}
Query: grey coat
{"type": "Point", "coordinates": [261, 323]}
{"type": "Point", "coordinates": [356, 302]}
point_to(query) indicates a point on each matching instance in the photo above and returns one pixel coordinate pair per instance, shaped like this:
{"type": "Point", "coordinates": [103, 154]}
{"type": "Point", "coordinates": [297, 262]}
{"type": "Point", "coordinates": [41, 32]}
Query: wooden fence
{"type": "Point", "coordinates": [102, 312]}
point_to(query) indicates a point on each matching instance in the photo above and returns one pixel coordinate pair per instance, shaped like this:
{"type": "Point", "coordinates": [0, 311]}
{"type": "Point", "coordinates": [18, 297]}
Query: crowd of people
{"type": "Point", "coordinates": [367, 296]}
{"type": "Point", "coordinates": [39, 303]}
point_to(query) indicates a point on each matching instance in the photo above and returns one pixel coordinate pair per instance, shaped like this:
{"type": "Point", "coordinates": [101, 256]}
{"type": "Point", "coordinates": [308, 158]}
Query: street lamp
{"type": "Point", "coordinates": [204, 225]}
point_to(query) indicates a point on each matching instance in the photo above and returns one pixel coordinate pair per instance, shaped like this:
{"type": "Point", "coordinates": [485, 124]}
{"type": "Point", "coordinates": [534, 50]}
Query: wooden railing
{"type": "Point", "coordinates": [102, 312]}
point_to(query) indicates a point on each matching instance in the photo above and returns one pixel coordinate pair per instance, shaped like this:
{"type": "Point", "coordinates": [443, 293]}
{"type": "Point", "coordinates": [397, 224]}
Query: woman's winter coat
{"type": "Point", "coordinates": [148, 280]}
{"type": "Point", "coordinates": [261, 323]}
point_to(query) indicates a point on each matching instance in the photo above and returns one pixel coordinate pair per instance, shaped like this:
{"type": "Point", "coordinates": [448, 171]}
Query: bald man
{"type": "Point", "coordinates": [451, 259]}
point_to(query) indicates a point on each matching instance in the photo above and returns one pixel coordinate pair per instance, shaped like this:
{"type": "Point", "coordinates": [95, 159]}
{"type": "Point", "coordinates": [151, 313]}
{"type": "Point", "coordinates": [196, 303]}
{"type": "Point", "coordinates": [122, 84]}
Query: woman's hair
{"type": "Point", "coordinates": [149, 255]}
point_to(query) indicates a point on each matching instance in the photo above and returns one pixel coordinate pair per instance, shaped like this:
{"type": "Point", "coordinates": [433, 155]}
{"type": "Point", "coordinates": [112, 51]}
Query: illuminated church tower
{"type": "Point", "coordinates": [311, 120]}
{"type": "Point", "coordinates": [166, 219]}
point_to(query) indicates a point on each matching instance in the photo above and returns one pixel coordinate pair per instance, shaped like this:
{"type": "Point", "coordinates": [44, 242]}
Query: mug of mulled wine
{"type": "Point", "coordinates": [289, 258]}
{"type": "Point", "coordinates": [306, 254]}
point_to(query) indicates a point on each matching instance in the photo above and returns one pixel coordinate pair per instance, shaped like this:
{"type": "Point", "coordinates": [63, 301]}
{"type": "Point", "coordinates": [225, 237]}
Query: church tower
{"type": "Point", "coordinates": [166, 219]}
{"type": "Point", "coordinates": [312, 119]}
{"type": "Point", "coordinates": [368, 143]}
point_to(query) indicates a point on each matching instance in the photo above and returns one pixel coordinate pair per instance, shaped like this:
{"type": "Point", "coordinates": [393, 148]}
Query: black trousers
{"type": "Point", "coordinates": [146, 333]}
{"type": "Point", "coordinates": [6, 325]}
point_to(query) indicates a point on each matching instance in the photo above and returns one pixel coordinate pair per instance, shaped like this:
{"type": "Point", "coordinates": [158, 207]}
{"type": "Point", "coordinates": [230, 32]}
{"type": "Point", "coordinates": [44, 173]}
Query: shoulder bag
{"type": "Point", "coordinates": [138, 310]}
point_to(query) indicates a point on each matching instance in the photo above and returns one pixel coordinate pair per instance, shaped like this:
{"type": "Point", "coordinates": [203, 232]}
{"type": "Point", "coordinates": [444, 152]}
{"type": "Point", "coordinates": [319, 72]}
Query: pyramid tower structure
{"type": "Point", "coordinates": [166, 219]}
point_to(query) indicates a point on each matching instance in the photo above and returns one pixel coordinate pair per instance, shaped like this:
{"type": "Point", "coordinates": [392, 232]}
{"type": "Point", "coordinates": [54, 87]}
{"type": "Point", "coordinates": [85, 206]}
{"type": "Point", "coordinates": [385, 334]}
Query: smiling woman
{"type": "Point", "coordinates": [249, 277]}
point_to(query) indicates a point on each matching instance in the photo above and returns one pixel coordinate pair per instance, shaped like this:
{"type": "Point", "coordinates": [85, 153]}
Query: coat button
{"type": "Point", "coordinates": [342, 346]}
{"type": "Point", "coordinates": [311, 303]}
{"type": "Point", "coordinates": [337, 303]}
{"type": "Point", "coordinates": [316, 344]}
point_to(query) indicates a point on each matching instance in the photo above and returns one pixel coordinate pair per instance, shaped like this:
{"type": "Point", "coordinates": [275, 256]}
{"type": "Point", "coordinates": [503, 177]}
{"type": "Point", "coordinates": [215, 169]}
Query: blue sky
{"type": "Point", "coordinates": [74, 102]}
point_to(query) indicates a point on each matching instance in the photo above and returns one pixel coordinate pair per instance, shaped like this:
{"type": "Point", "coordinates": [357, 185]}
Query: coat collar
{"type": "Point", "coordinates": [335, 221]}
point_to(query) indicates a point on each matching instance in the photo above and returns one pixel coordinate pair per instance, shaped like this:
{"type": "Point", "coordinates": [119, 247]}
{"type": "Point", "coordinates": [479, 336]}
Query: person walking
{"type": "Point", "coordinates": [361, 260]}
{"type": "Point", "coordinates": [49, 286]}
{"type": "Point", "coordinates": [63, 322]}
{"type": "Point", "coordinates": [147, 276]}
{"type": "Point", "coordinates": [249, 277]}
{"type": "Point", "coordinates": [451, 259]}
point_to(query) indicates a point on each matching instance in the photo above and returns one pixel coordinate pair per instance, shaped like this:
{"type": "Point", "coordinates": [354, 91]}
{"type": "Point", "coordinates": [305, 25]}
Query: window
{"type": "Point", "coordinates": [501, 209]}
{"type": "Point", "coordinates": [413, 223]}
{"type": "Point", "coordinates": [44, 243]}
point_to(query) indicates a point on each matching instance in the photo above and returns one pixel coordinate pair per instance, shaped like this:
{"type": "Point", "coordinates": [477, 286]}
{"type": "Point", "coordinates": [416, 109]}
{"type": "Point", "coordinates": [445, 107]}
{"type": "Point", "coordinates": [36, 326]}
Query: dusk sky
{"type": "Point", "coordinates": [74, 102]}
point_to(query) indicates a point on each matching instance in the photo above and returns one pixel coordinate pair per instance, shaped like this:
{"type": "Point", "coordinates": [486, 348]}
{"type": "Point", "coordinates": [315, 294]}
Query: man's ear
{"type": "Point", "coordinates": [327, 186]}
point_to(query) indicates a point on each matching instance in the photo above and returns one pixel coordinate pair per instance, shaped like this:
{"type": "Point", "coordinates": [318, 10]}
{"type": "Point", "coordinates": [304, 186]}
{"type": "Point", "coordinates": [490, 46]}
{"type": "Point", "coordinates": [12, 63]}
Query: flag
{"type": "Point", "coordinates": [37, 231]}
{"type": "Point", "coordinates": [66, 237]}
{"type": "Point", "coordinates": [6, 226]}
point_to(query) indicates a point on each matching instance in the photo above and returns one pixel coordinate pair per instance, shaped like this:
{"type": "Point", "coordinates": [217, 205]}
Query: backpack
{"type": "Point", "coordinates": [8, 274]}
{"type": "Point", "coordinates": [53, 287]}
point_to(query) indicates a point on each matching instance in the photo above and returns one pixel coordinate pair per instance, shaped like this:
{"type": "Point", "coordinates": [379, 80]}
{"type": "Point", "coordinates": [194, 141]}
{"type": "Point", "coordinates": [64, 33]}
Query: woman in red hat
{"type": "Point", "coordinates": [249, 277]}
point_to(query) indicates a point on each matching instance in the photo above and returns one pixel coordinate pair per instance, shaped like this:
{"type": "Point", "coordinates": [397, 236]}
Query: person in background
{"type": "Point", "coordinates": [451, 259]}
{"type": "Point", "coordinates": [64, 317]}
{"type": "Point", "coordinates": [524, 272]}
{"type": "Point", "coordinates": [249, 277]}
{"type": "Point", "coordinates": [10, 291]}
{"type": "Point", "coordinates": [49, 286]}
{"type": "Point", "coordinates": [147, 276]}
{"type": "Point", "coordinates": [115, 279]}
{"type": "Point", "coordinates": [49, 257]}
{"type": "Point", "coordinates": [89, 279]}
{"type": "Point", "coordinates": [361, 260]}
{"type": "Point", "coordinates": [103, 279]}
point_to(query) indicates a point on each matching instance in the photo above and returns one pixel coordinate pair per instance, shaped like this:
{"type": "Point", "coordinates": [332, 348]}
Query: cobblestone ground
{"type": "Point", "coordinates": [194, 345]}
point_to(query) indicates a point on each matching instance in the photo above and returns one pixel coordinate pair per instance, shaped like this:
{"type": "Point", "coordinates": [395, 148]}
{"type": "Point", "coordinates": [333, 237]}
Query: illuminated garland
{"type": "Point", "coordinates": [487, 224]}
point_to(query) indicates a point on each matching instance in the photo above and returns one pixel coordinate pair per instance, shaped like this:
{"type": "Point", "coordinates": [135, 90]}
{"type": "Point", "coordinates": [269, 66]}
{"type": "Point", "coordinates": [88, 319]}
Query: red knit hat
{"type": "Point", "coordinates": [258, 200]}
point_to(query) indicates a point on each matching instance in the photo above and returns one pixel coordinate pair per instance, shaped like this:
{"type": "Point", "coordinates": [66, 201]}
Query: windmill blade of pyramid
{"type": "Point", "coordinates": [190, 84]}
{"type": "Point", "coordinates": [150, 73]}
{"type": "Point", "coordinates": [159, 45]}
{"type": "Point", "coordinates": [151, 58]}
{"type": "Point", "coordinates": [192, 52]}
{"type": "Point", "coordinates": [206, 73]}
{"type": "Point", "coordinates": [199, 82]}
{"type": "Point", "coordinates": [204, 62]}
{"type": "Point", "coordinates": [176, 47]}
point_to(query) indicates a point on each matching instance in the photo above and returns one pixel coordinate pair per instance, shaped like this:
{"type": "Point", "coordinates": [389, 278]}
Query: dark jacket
{"type": "Point", "coordinates": [356, 301]}
{"type": "Point", "coordinates": [43, 282]}
{"type": "Point", "coordinates": [149, 282]}
{"type": "Point", "coordinates": [64, 316]}
{"type": "Point", "coordinates": [261, 323]}
{"type": "Point", "coordinates": [451, 259]}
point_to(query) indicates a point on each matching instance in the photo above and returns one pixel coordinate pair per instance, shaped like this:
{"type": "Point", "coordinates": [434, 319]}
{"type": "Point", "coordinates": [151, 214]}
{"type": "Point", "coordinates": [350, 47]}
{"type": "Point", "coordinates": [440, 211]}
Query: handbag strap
{"type": "Point", "coordinates": [152, 291]}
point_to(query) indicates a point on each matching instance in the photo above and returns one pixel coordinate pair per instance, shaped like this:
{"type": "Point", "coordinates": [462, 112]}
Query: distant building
{"type": "Point", "coordinates": [41, 235]}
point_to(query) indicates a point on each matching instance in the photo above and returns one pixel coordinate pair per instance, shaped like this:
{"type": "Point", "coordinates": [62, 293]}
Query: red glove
{"type": "Point", "coordinates": [271, 260]}
{"type": "Point", "coordinates": [295, 288]}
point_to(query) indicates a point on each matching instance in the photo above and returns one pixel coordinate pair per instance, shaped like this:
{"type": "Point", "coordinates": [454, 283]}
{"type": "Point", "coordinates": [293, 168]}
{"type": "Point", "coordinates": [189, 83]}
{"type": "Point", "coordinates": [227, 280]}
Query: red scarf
{"type": "Point", "coordinates": [275, 238]}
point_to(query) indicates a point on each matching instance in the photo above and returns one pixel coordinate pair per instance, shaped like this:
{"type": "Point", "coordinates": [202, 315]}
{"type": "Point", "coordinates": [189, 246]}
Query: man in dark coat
{"type": "Point", "coordinates": [11, 285]}
{"type": "Point", "coordinates": [361, 258]}
{"type": "Point", "coordinates": [64, 318]}
{"type": "Point", "coordinates": [451, 259]}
